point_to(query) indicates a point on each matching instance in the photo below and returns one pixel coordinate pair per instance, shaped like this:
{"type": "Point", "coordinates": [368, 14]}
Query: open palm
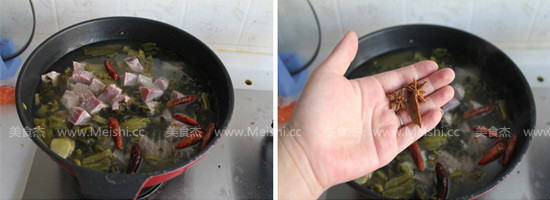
{"type": "Point", "coordinates": [347, 127]}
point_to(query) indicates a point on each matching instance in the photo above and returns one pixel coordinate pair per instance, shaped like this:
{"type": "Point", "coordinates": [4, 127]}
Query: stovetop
{"type": "Point", "coordinates": [239, 167]}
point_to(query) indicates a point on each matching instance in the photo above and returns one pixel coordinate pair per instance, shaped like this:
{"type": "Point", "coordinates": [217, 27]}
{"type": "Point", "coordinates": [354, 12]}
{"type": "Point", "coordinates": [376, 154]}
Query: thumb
{"type": "Point", "coordinates": [342, 55]}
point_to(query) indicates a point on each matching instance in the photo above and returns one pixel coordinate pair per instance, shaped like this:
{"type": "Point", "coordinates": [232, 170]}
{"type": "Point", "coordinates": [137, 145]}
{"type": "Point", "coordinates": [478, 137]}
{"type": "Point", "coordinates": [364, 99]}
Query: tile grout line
{"type": "Point", "coordinates": [184, 7]}
{"type": "Point", "coordinates": [532, 23]}
{"type": "Point", "coordinates": [405, 11]}
{"type": "Point", "coordinates": [339, 19]}
{"type": "Point", "coordinates": [241, 30]}
{"type": "Point", "coordinates": [471, 16]}
{"type": "Point", "coordinates": [54, 4]}
{"type": "Point", "coordinates": [120, 7]}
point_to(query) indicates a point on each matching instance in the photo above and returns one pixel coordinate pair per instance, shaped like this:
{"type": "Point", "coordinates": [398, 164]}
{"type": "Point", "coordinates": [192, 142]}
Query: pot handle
{"type": "Point", "coordinates": [100, 185]}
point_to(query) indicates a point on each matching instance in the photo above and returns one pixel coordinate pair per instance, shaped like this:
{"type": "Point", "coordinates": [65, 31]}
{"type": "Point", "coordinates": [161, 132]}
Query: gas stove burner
{"type": "Point", "coordinates": [151, 192]}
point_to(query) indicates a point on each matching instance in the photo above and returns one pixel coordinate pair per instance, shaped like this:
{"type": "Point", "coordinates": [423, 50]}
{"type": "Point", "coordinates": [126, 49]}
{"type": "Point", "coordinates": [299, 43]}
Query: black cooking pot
{"type": "Point", "coordinates": [493, 64]}
{"type": "Point", "coordinates": [96, 184]}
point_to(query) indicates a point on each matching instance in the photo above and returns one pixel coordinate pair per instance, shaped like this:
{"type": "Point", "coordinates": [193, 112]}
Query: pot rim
{"type": "Point", "coordinates": [27, 122]}
{"type": "Point", "coordinates": [521, 152]}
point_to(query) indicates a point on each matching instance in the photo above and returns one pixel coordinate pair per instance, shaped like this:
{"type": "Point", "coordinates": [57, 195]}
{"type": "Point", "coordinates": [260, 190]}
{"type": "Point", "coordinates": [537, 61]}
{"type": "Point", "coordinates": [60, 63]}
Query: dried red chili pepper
{"type": "Point", "coordinates": [208, 136]}
{"type": "Point", "coordinates": [442, 181]}
{"type": "Point", "coordinates": [111, 70]}
{"type": "Point", "coordinates": [115, 132]}
{"type": "Point", "coordinates": [185, 119]}
{"type": "Point", "coordinates": [486, 132]}
{"type": "Point", "coordinates": [477, 111]}
{"type": "Point", "coordinates": [193, 138]}
{"type": "Point", "coordinates": [510, 149]}
{"type": "Point", "coordinates": [135, 159]}
{"type": "Point", "coordinates": [494, 153]}
{"type": "Point", "coordinates": [180, 100]}
{"type": "Point", "coordinates": [414, 149]}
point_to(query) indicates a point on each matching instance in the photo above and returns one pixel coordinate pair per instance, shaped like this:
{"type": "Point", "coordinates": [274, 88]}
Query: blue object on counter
{"type": "Point", "coordinates": [8, 68]}
{"type": "Point", "coordinates": [290, 85]}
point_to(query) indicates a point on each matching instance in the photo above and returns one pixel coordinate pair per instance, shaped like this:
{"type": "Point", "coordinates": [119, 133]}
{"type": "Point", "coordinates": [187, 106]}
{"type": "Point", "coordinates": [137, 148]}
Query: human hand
{"type": "Point", "coordinates": [347, 128]}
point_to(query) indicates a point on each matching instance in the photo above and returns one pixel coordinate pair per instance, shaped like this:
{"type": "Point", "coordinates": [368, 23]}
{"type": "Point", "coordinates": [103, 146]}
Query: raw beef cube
{"type": "Point", "coordinates": [175, 95]}
{"type": "Point", "coordinates": [161, 148]}
{"type": "Point", "coordinates": [166, 114]}
{"type": "Point", "coordinates": [121, 157]}
{"type": "Point", "coordinates": [121, 98]}
{"type": "Point", "coordinates": [133, 63]}
{"type": "Point", "coordinates": [161, 83]}
{"type": "Point", "coordinates": [144, 80]}
{"type": "Point", "coordinates": [82, 77]}
{"type": "Point", "coordinates": [453, 103]}
{"type": "Point", "coordinates": [129, 79]}
{"type": "Point", "coordinates": [79, 66]}
{"type": "Point", "coordinates": [96, 86]}
{"type": "Point", "coordinates": [93, 105]}
{"type": "Point", "coordinates": [50, 76]}
{"type": "Point", "coordinates": [109, 94]}
{"type": "Point", "coordinates": [459, 91]}
{"type": "Point", "coordinates": [70, 99]}
{"type": "Point", "coordinates": [82, 91]}
{"type": "Point", "coordinates": [79, 116]}
{"type": "Point", "coordinates": [149, 93]}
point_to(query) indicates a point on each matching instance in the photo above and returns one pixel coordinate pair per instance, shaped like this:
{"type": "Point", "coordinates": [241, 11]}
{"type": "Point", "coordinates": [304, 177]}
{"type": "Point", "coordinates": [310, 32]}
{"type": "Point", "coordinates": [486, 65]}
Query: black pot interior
{"type": "Point", "coordinates": [131, 29]}
{"type": "Point", "coordinates": [493, 64]}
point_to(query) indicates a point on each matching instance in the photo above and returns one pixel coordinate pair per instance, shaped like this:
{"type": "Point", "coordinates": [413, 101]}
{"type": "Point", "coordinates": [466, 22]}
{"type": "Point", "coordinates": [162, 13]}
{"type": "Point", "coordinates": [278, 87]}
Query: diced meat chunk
{"type": "Point", "coordinates": [447, 159]}
{"type": "Point", "coordinates": [459, 91]}
{"type": "Point", "coordinates": [144, 80]}
{"type": "Point", "coordinates": [79, 66]}
{"type": "Point", "coordinates": [109, 94]}
{"type": "Point", "coordinates": [161, 83]}
{"type": "Point", "coordinates": [129, 79]}
{"type": "Point", "coordinates": [453, 103]}
{"type": "Point", "coordinates": [82, 91]}
{"type": "Point", "coordinates": [166, 114]}
{"type": "Point", "coordinates": [84, 77]}
{"type": "Point", "coordinates": [70, 99]}
{"type": "Point", "coordinates": [175, 95]}
{"type": "Point", "coordinates": [120, 157]}
{"type": "Point", "coordinates": [50, 76]}
{"type": "Point", "coordinates": [79, 116]}
{"type": "Point", "coordinates": [93, 105]}
{"type": "Point", "coordinates": [96, 86]}
{"type": "Point", "coordinates": [161, 148]}
{"type": "Point", "coordinates": [133, 63]}
{"type": "Point", "coordinates": [147, 145]}
{"type": "Point", "coordinates": [150, 93]}
{"type": "Point", "coordinates": [119, 99]}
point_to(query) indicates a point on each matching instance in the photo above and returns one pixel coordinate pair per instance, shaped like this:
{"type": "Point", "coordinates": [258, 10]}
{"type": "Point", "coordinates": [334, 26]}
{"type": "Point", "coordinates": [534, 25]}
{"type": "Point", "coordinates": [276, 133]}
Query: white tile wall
{"type": "Point", "coordinates": [518, 24]}
{"type": "Point", "coordinates": [232, 25]}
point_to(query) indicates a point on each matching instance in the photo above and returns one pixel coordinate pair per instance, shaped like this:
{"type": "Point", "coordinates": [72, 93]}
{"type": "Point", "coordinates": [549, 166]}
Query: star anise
{"type": "Point", "coordinates": [397, 100]}
{"type": "Point", "coordinates": [416, 90]}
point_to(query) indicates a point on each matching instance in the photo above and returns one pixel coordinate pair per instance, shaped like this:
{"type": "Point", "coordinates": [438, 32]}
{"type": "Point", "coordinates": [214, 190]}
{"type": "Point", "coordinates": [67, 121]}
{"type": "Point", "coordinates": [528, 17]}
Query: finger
{"type": "Point", "coordinates": [433, 101]}
{"type": "Point", "coordinates": [409, 133]}
{"type": "Point", "coordinates": [396, 79]}
{"type": "Point", "coordinates": [437, 80]}
{"type": "Point", "coordinates": [342, 55]}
